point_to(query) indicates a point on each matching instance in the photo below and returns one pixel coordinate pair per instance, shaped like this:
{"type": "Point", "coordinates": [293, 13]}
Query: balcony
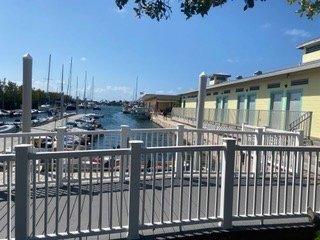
{"type": "Point", "coordinates": [280, 120]}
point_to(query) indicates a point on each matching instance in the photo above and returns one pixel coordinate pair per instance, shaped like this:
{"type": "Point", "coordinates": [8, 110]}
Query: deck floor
{"type": "Point", "coordinates": [114, 205]}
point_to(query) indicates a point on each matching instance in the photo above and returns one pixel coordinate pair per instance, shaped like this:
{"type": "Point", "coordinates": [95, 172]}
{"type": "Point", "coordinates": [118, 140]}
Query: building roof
{"type": "Point", "coordinates": [163, 97]}
{"type": "Point", "coordinates": [310, 43]}
{"type": "Point", "coordinates": [302, 67]}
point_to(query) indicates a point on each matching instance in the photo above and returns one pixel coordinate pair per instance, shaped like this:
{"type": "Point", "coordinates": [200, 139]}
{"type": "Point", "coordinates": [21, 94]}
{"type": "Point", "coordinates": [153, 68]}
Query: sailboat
{"type": "Point", "coordinates": [70, 106]}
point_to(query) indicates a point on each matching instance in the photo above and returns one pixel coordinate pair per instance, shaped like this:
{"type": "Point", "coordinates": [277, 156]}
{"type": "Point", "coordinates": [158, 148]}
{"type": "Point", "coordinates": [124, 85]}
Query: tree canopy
{"type": "Point", "coordinates": [161, 9]}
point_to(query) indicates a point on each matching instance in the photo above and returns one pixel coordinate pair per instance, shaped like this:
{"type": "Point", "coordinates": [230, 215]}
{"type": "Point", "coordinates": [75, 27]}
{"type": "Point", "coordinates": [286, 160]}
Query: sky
{"type": "Point", "coordinates": [115, 47]}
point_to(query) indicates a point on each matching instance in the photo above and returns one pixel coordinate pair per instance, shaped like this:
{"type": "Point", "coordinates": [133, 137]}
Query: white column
{"type": "Point", "coordinates": [26, 95]}
{"type": "Point", "coordinates": [124, 143]}
{"type": "Point", "coordinates": [22, 201]}
{"type": "Point", "coordinates": [134, 189]}
{"type": "Point", "coordinates": [227, 178]}
{"type": "Point", "coordinates": [299, 142]}
{"type": "Point", "coordinates": [201, 98]}
{"type": "Point", "coordinates": [258, 156]}
{"type": "Point", "coordinates": [179, 142]}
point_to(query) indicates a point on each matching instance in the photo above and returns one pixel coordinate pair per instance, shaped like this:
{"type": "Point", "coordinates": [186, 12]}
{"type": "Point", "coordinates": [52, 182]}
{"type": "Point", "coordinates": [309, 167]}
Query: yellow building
{"type": "Point", "coordinates": [160, 103]}
{"type": "Point", "coordinates": [287, 99]}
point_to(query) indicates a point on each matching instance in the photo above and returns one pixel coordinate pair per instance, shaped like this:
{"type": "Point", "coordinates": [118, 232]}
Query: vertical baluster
{"type": "Point", "coordinates": [181, 185]}
{"type": "Point", "coordinates": [242, 156]}
{"type": "Point", "coordinates": [278, 184]}
{"type": "Point", "coordinates": [68, 194]}
{"type": "Point", "coordinates": [271, 183]}
{"type": "Point", "coordinates": [301, 161]}
{"type": "Point", "coordinates": [190, 187]}
{"type": "Point", "coordinates": [101, 195]}
{"type": "Point", "coordinates": [248, 163]}
{"type": "Point", "coordinates": [46, 179]}
{"type": "Point", "coordinates": [112, 163]}
{"type": "Point", "coordinates": [199, 183]}
{"type": "Point", "coordinates": [263, 182]}
{"type": "Point", "coordinates": [208, 183]}
{"type": "Point", "coordinates": [79, 193]}
{"type": "Point", "coordinates": [315, 182]}
{"type": "Point", "coordinates": [173, 170]}
{"type": "Point", "coordinates": [34, 189]}
{"type": "Point", "coordinates": [295, 155]}
{"type": "Point", "coordinates": [57, 196]}
{"type": "Point", "coordinates": [217, 184]}
{"type": "Point", "coordinates": [308, 181]}
{"type": "Point", "coordinates": [9, 214]}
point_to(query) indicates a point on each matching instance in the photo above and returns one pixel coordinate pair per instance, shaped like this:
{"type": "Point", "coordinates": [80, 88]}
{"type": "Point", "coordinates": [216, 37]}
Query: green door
{"type": "Point", "coordinates": [276, 113]}
{"type": "Point", "coordinates": [251, 109]}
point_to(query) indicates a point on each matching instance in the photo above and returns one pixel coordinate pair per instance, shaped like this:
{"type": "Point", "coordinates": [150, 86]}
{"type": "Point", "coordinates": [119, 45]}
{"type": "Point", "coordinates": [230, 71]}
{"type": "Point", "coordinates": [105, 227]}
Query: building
{"type": "Point", "coordinates": [160, 103]}
{"type": "Point", "coordinates": [287, 99]}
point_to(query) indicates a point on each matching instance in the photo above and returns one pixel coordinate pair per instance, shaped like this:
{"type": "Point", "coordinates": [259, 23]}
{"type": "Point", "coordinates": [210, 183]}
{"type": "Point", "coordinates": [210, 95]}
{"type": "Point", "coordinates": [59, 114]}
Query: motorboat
{"type": "Point", "coordinates": [8, 128]}
{"type": "Point", "coordinates": [141, 113]}
{"type": "Point", "coordinates": [96, 108]}
{"type": "Point", "coordinates": [71, 107]}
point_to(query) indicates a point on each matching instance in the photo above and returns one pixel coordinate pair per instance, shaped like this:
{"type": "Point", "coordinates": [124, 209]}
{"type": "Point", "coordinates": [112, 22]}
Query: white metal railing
{"type": "Point", "coordinates": [164, 186]}
{"type": "Point", "coordinates": [63, 140]}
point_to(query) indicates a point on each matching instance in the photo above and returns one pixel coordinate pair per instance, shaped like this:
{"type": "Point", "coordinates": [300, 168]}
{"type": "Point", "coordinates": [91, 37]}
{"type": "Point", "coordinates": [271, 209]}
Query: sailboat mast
{"type": "Point", "coordinates": [136, 94]}
{"type": "Point", "coordinates": [77, 98]}
{"type": "Point", "coordinates": [70, 78]}
{"type": "Point", "coordinates": [92, 88]}
{"type": "Point", "coordinates": [62, 94]}
{"type": "Point", "coordinates": [85, 92]}
{"type": "Point", "coordinates": [48, 78]}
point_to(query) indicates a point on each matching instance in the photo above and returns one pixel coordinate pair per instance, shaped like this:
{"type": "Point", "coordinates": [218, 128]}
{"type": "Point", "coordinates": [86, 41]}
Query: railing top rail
{"type": "Point", "coordinates": [7, 157]}
{"type": "Point", "coordinates": [27, 134]}
{"type": "Point", "coordinates": [277, 148]}
{"type": "Point", "coordinates": [227, 131]}
{"type": "Point", "coordinates": [191, 148]}
{"type": "Point", "coordinates": [78, 154]}
{"type": "Point", "coordinates": [153, 129]}
{"type": "Point", "coordinates": [104, 131]}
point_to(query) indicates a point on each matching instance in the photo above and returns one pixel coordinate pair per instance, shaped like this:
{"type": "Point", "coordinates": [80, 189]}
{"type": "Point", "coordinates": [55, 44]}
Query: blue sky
{"type": "Point", "coordinates": [115, 47]}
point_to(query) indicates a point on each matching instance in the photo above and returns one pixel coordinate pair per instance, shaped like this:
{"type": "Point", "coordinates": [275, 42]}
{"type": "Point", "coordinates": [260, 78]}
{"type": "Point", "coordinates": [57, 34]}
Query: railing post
{"type": "Point", "coordinates": [60, 147]}
{"type": "Point", "coordinates": [258, 142]}
{"type": "Point", "coordinates": [22, 198]}
{"type": "Point", "coordinates": [124, 143]}
{"type": "Point", "coordinates": [201, 99]}
{"type": "Point", "coordinates": [26, 96]}
{"type": "Point", "coordinates": [134, 188]}
{"type": "Point", "coordinates": [179, 142]}
{"type": "Point", "coordinates": [298, 142]}
{"type": "Point", "coordinates": [227, 178]}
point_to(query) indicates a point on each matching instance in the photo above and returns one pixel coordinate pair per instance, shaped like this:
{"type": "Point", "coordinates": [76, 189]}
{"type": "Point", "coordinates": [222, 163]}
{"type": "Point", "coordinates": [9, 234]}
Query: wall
{"type": "Point", "coordinates": [309, 57]}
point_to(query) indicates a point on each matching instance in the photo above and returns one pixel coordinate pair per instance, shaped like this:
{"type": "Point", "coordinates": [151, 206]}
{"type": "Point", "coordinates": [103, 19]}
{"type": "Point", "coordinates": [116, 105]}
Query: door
{"type": "Point", "coordinates": [294, 106]}
{"type": "Point", "coordinates": [217, 116]}
{"type": "Point", "coordinates": [241, 110]}
{"type": "Point", "coordinates": [251, 109]}
{"type": "Point", "coordinates": [224, 113]}
{"type": "Point", "coordinates": [276, 113]}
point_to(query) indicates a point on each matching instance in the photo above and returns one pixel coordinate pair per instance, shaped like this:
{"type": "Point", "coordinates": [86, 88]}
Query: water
{"type": "Point", "coordinates": [114, 118]}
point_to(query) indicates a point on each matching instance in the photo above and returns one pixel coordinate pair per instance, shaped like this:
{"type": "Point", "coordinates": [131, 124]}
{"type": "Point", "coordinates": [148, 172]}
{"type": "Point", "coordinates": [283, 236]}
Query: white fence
{"type": "Point", "coordinates": [164, 186]}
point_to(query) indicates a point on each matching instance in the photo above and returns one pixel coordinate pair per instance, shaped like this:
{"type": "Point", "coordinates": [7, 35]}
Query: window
{"type": "Point", "coordinates": [215, 93]}
{"type": "Point", "coordinates": [226, 91]}
{"type": "Point", "coordinates": [239, 89]}
{"type": "Point", "coordinates": [299, 82]}
{"type": "Point", "coordinates": [274, 85]}
{"type": "Point", "coordinates": [254, 88]}
{"type": "Point", "coordinates": [313, 49]}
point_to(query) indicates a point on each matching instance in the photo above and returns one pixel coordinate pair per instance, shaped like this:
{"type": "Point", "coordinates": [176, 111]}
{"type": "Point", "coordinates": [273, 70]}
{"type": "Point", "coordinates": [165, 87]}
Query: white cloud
{"type": "Point", "coordinates": [266, 25]}
{"type": "Point", "coordinates": [232, 60]}
{"type": "Point", "coordinates": [83, 59]}
{"type": "Point", "coordinates": [294, 32]}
